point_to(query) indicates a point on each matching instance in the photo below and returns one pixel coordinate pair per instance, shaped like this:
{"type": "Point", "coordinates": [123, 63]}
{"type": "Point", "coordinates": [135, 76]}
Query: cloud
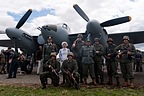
{"type": "Point", "coordinates": [59, 11]}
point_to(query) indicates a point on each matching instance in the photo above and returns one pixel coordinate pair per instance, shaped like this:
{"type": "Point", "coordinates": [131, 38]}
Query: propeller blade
{"type": "Point", "coordinates": [80, 12]}
{"type": "Point", "coordinates": [116, 21]}
{"type": "Point", "coordinates": [24, 18]}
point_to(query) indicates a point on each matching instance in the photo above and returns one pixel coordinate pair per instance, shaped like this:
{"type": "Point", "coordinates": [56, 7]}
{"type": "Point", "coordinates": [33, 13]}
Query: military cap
{"type": "Point", "coordinates": [96, 39]}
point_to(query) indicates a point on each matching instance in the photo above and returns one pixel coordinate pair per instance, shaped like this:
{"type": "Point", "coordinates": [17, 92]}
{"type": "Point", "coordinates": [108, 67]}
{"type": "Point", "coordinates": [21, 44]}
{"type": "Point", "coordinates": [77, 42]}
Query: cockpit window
{"type": "Point", "coordinates": [64, 25]}
{"type": "Point", "coordinates": [50, 27]}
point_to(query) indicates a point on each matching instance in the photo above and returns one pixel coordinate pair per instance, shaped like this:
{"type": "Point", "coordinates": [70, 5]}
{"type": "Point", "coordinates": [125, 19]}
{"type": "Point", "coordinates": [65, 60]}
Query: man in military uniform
{"type": "Point", "coordinates": [52, 67]}
{"type": "Point", "coordinates": [99, 50]}
{"type": "Point", "coordinates": [111, 62]}
{"type": "Point", "coordinates": [70, 69]}
{"type": "Point", "coordinates": [48, 48]}
{"type": "Point", "coordinates": [138, 61]}
{"type": "Point", "coordinates": [87, 53]}
{"type": "Point", "coordinates": [76, 47]}
{"type": "Point", "coordinates": [125, 51]}
{"type": "Point", "coordinates": [2, 61]}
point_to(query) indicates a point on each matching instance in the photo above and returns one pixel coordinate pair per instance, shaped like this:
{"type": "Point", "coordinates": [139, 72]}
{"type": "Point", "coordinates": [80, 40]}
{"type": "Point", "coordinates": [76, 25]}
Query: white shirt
{"type": "Point", "coordinates": [63, 53]}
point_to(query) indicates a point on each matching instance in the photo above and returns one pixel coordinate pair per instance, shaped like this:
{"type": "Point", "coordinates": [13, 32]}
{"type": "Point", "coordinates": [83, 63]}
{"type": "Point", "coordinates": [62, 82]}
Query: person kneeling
{"type": "Point", "coordinates": [53, 67]}
{"type": "Point", "coordinates": [70, 71]}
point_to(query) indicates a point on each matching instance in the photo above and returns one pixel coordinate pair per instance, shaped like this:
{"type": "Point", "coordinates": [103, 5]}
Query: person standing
{"type": "Point", "coordinates": [125, 52]}
{"type": "Point", "coordinates": [138, 61]}
{"type": "Point", "coordinates": [2, 61]}
{"type": "Point", "coordinates": [99, 51]}
{"type": "Point", "coordinates": [13, 65]}
{"type": "Point", "coordinates": [38, 58]}
{"type": "Point", "coordinates": [48, 48]}
{"type": "Point", "coordinates": [7, 54]}
{"type": "Point", "coordinates": [87, 53]}
{"type": "Point", "coordinates": [52, 67]}
{"type": "Point", "coordinates": [111, 63]}
{"type": "Point", "coordinates": [76, 47]}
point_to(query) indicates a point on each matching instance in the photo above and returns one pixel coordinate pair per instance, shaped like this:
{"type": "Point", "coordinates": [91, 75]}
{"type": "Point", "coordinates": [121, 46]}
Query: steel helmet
{"type": "Point", "coordinates": [126, 38]}
{"type": "Point", "coordinates": [70, 54]}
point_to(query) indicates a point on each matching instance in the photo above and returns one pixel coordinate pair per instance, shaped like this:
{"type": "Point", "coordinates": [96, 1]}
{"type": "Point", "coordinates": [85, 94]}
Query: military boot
{"type": "Point", "coordinates": [117, 81]}
{"type": "Point", "coordinates": [131, 83]}
{"type": "Point", "coordinates": [125, 83]}
{"type": "Point", "coordinates": [94, 82]}
{"type": "Point", "coordinates": [85, 81]}
{"type": "Point", "coordinates": [141, 69]}
{"type": "Point", "coordinates": [77, 86]}
{"type": "Point", "coordinates": [97, 79]}
{"type": "Point", "coordinates": [43, 83]}
{"type": "Point", "coordinates": [102, 80]}
{"type": "Point", "coordinates": [110, 82]}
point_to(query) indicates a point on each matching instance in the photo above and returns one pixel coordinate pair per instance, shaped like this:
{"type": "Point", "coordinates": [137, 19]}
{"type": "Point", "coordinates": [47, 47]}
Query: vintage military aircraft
{"type": "Point", "coordinates": [60, 32]}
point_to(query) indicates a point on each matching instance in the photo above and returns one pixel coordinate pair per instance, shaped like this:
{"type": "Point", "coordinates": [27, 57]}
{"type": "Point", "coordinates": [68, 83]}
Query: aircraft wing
{"type": "Point", "coordinates": [135, 37]}
{"type": "Point", "coordinates": [6, 43]}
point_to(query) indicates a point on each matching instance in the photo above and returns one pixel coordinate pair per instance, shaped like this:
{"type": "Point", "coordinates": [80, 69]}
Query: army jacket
{"type": "Point", "coordinates": [87, 54]}
{"type": "Point", "coordinates": [100, 49]}
{"type": "Point", "coordinates": [124, 48]}
{"type": "Point", "coordinates": [110, 49]}
{"type": "Point", "coordinates": [77, 48]}
{"type": "Point", "coordinates": [48, 49]}
{"type": "Point", "coordinates": [70, 65]}
{"type": "Point", "coordinates": [55, 64]}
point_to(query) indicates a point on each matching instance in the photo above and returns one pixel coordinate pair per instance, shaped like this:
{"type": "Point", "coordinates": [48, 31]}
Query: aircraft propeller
{"type": "Point", "coordinates": [19, 24]}
{"type": "Point", "coordinates": [111, 22]}
{"type": "Point", "coordinates": [24, 18]}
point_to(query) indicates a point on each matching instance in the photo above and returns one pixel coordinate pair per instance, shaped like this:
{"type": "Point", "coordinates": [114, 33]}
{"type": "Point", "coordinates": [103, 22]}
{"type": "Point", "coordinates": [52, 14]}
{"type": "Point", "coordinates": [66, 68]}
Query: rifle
{"type": "Point", "coordinates": [72, 79]}
{"type": "Point", "coordinates": [124, 51]}
{"type": "Point", "coordinates": [53, 70]}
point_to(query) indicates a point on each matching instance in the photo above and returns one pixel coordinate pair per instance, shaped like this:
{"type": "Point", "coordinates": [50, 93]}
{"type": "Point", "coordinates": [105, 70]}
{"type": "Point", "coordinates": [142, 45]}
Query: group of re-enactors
{"type": "Point", "coordinates": [84, 59]}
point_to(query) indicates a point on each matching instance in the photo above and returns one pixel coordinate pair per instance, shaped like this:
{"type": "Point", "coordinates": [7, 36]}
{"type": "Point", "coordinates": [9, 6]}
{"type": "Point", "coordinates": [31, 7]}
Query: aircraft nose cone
{"type": "Point", "coordinates": [12, 32]}
{"type": "Point", "coordinates": [8, 32]}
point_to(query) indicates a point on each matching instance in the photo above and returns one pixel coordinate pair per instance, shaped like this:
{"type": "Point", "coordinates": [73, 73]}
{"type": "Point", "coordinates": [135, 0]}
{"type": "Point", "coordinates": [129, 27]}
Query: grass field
{"type": "Point", "coordinates": [60, 91]}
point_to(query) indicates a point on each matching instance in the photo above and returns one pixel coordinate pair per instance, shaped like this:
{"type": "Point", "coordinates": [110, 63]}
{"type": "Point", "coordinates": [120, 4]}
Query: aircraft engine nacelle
{"type": "Point", "coordinates": [59, 33]}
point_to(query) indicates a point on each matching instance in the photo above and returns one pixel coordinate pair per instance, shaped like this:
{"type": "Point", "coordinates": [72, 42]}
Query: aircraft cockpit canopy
{"type": "Point", "coordinates": [64, 25]}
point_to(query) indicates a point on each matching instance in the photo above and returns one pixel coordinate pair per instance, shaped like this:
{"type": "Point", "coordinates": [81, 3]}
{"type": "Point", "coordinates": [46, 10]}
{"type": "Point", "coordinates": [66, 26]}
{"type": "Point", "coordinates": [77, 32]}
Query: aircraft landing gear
{"type": "Point", "coordinates": [28, 64]}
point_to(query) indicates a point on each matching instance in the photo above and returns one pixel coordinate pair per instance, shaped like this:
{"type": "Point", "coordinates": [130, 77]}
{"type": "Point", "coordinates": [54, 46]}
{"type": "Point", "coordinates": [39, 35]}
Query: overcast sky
{"type": "Point", "coordinates": [61, 11]}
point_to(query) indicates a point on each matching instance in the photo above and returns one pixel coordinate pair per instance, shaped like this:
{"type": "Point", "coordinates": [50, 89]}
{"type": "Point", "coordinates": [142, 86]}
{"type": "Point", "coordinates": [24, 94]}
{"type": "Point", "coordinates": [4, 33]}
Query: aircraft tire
{"type": "Point", "coordinates": [27, 67]}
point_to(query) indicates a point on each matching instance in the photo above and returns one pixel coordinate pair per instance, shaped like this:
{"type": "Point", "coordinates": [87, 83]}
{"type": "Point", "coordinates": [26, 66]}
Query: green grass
{"type": "Point", "coordinates": [60, 91]}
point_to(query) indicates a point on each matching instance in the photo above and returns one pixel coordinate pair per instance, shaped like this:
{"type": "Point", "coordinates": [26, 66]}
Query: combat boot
{"type": "Point", "coordinates": [77, 86]}
{"type": "Point", "coordinates": [125, 83]}
{"type": "Point", "coordinates": [102, 80]}
{"type": "Point", "coordinates": [43, 83]}
{"type": "Point", "coordinates": [131, 83]}
{"type": "Point", "coordinates": [110, 82]}
{"type": "Point", "coordinates": [85, 81]}
{"type": "Point", "coordinates": [94, 82]}
{"type": "Point", "coordinates": [141, 69]}
{"type": "Point", "coordinates": [117, 81]}
{"type": "Point", "coordinates": [97, 79]}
